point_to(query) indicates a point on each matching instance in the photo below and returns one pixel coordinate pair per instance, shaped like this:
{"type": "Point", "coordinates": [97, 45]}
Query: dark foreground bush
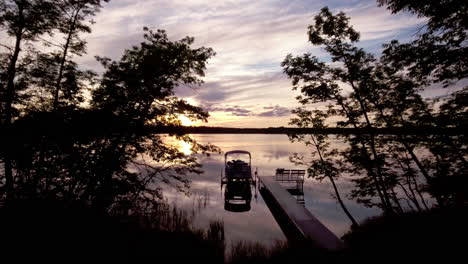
{"type": "Point", "coordinates": [422, 237]}
{"type": "Point", "coordinates": [425, 237]}
{"type": "Point", "coordinates": [282, 252]}
{"type": "Point", "coordinates": [51, 231]}
{"type": "Point", "coordinates": [45, 231]}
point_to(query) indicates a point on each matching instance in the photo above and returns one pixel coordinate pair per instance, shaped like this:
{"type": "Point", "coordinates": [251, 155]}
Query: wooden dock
{"type": "Point", "coordinates": [294, 219]}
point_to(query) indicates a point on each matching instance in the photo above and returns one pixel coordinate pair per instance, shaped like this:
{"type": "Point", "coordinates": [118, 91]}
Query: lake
{"type": "Point", "coordinates": [269, 152]}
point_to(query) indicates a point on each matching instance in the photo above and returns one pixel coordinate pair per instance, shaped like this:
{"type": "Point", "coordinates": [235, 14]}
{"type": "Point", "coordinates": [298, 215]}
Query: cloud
{"type": "Point", "coordinates": [251, 38]}
{"type": "Point", "coordinates": [275, 111]}
{"type": "Point", "coordinates": [233, 110]}
{"type": "Point", "coordinates": [375, 22]}
{"type": "Point", "coordinates": [271, 88]}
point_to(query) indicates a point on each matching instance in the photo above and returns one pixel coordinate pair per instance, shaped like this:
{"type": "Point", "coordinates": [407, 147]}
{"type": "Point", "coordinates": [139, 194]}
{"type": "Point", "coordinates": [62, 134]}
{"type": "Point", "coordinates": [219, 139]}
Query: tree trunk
{"type": "Point", "coordinates": [372, 145]}
{"type": "Point", "coordinates": [385, 204]}
{"type": "Point", "coordinates": [9, 94]}
{"type": "Point", "coordinates": [63, 60]}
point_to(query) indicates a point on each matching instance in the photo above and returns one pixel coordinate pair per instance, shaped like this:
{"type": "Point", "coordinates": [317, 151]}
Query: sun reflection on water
{"type": "Point", "coordinates": [184, 147]}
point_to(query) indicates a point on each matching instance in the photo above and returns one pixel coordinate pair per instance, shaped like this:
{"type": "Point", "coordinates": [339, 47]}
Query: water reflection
{"type": "Point", "coordinates": [237, 196]}
{"type": "Point", "coordinates": [269, 152]}
{"type": "Point", "coordinates": [184, 147]}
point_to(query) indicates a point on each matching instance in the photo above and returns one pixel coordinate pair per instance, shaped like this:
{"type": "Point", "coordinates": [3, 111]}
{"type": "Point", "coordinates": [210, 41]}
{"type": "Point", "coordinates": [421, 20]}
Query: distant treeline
{"type": "Point", "coordinates": [293, 130]}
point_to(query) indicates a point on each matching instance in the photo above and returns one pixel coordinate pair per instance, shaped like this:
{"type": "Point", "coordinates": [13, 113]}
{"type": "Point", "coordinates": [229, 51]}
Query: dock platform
{"type": "Point", "coordinates": [294, 219]}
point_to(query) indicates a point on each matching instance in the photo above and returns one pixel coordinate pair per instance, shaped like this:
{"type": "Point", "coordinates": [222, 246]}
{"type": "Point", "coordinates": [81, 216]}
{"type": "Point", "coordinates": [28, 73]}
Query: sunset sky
{"type": "Point", "coordinates": [244, 84]}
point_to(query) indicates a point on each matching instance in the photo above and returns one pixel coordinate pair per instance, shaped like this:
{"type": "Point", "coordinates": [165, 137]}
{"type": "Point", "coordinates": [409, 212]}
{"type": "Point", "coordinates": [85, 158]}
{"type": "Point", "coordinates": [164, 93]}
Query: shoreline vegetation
{"type": "Point", "coordinates": [166, 233]}
{"type": "Point", "coordinates": [297, 130]}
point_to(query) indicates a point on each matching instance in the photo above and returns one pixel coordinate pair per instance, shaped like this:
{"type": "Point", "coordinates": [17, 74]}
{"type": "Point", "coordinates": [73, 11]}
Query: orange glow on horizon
{"type": "Point", "coordinates": [185, 121]}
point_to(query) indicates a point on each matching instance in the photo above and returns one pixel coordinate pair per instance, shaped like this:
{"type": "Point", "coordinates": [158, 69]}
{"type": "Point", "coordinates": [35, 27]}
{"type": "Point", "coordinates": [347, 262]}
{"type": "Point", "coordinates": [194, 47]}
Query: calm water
{"type": "Point", "coordinates": [268, 153]}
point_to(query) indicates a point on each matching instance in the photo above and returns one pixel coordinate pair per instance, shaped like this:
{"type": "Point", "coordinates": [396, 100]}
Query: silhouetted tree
{"type": "Point", "coordinates": [84, 154]}
{"type": "Point", "coordinates": [75, 157]}
{"type": "Point", "coordinates": [108, 156]}
{"type": "Point", "coordinates": [141, 85]}
{"type": "Point", "coordinates": [368, 93]}
{"type": "Point", "coordinates": [318, 83]}
{"type": "Point", "coordinates": [24, 21]}
{"type": "Point", "coordinates": [437, 55]}
{"type": "Point", "coordinates": [42, 82]}
{"type": "Point", "coordinates": [54, 79]}
{"type": "Point", "coordinates": [73, 22]}
{"type": "Point", "coordinates": [439, 52]}
{"type": "Point", "coordinates": [447, 162]}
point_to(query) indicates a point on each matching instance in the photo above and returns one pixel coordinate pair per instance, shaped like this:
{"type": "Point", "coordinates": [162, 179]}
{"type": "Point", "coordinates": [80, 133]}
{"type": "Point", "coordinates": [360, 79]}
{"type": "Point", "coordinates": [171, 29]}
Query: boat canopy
{"type": "Point", "coordinates": [237, 152]}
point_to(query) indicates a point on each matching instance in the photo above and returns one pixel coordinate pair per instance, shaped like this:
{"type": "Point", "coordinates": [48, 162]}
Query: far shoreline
{"type": "Point", "coordinates": [293, 130]}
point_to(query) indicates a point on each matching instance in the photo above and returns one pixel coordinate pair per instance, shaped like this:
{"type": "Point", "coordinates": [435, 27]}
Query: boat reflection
{"type": "Point", "coordinates": [237, 196]}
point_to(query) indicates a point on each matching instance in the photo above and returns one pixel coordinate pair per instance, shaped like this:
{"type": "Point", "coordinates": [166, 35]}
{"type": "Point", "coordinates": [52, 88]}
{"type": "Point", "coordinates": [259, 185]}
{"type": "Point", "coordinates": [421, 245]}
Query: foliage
{"type": "Point", "coordinates": [24, 21]}
{"type": "Point", "coordinates": [361, 91]}
{"type": "Point", "coordinates": [438, 53]}
{"type": "Point", "coordinates": [141, 85]}
{"type": "Point", "coordinates": [320, 83]}
{"type": "Point", "coordinates": [28, 18]}
{"type": "Point", "coordinates": [95, 158]}
{"type": "Point", "coordinates": [102, 151]}
{"type": "Point", "coordinates": [66, 81]}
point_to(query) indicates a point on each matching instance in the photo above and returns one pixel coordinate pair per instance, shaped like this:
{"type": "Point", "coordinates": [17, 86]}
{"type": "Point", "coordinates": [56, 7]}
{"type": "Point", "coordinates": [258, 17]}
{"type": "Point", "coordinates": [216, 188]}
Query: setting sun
{"type": "Point", "coordinates": [186, 121]}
